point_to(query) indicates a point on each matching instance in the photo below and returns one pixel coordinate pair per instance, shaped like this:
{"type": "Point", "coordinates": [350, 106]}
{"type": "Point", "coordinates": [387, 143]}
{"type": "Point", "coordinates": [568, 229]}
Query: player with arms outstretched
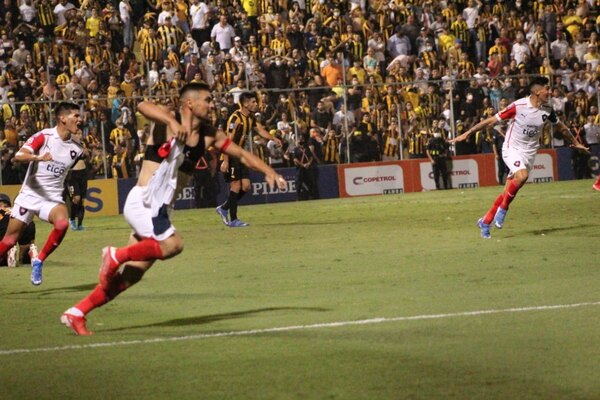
{"type": "Point", "coordinates": [147, 205]}
{"type": "Point", "coordinates": [51, 153]}
{"type": "Point", "coordinates": [527, 117]}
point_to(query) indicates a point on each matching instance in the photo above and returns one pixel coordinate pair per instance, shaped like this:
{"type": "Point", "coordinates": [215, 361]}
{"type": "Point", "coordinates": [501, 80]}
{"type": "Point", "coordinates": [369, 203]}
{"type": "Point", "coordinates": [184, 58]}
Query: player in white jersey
{"type": "Point", "coordinates": [50, 154]}
{"type": "Point", "coordinates": [154, 237]}
{"type": "Point", "coordinates": [527, 117]}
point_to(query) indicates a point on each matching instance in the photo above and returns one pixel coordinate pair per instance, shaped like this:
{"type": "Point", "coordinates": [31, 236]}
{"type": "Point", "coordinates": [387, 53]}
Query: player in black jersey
{"type": "Point", "coordinates": [77, 183]}
{"type": "Point", "coordinates": [240, 126]}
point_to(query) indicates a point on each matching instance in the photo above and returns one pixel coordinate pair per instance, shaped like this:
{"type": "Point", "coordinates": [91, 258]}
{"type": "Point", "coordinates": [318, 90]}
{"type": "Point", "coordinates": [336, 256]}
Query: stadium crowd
{"type": "Point", "coordinates": [368, 80]}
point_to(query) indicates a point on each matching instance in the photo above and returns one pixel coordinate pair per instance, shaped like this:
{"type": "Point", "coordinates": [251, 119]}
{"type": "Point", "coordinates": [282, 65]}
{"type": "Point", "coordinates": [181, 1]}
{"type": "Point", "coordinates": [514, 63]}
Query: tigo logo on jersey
{"type": "Point", "coordinates": [56, 169]}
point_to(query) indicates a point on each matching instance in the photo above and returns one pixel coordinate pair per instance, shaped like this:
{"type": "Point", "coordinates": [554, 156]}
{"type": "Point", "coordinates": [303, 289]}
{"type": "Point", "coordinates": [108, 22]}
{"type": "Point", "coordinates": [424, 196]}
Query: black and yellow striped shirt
{"type": "Point", "coordinates": [239, 127]}
{"type": "Point", "coordinates": [151, 49]}
{"type": "Point", "coordinates": [331, 155]}
{"type": "Point", "coordinates": [170, 35]}
{"type": "Point", "coordinates": [45, 14]}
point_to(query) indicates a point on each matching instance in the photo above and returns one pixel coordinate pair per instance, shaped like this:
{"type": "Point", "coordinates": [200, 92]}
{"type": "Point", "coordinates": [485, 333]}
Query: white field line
{"type": "Point", "coordinates": [295, 328]}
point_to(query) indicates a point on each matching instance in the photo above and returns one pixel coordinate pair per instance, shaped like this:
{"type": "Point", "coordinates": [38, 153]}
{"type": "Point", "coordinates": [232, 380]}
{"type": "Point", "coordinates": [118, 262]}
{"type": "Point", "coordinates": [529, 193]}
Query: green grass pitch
{"type": "Point", "coordinates": [200, 326]}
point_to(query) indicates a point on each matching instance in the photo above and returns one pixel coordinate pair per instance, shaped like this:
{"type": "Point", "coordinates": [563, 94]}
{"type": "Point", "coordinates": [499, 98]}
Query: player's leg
{"type": "Point", "coordinates": [58, 217]}
{"type": "Point", "coordinates": [132, 273]}
{"type": "Point", "coordinates": [596, 184]}
{"type": "Point", "coordinates": [75, 205]}
{"type": "Point", "coordinates": [14, 230]}
{"type": "Point", "coordinates": [27, 248]}
{"type": "Point", "coordinates": [150, 230]}
{"type": "Point", "coordinates": [235, 221]}
{"type": "Point", "coordinates": [82, 191]}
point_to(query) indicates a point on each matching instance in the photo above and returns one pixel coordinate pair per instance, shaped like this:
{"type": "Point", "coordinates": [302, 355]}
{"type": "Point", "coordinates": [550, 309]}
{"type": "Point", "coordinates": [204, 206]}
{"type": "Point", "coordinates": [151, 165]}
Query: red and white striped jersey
{"type": "Point", "coordinates": [526, 124]}
{"type": "Point", "coordinates": [46, 178]}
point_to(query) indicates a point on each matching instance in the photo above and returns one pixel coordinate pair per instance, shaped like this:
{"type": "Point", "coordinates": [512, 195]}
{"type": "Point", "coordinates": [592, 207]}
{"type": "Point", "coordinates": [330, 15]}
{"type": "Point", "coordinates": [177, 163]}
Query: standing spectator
{"type": "Point", "coordinates": [125, 16]}
{"type": "Point", "coordinates": [305, 165]}
{"type": "Point", "coordinates": [437, 151]}
{"type": "Point", "coordinates": [60, 10]}
{"type": "Point", "coordinates": [223, 34]}
{"type": "Point", "coordinates": [399, 44]}
{"type": "Point", "coordinates": [200, 12]}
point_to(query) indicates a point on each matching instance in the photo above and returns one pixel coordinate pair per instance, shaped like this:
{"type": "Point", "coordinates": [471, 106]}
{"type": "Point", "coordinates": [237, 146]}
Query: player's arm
{"type": "Point", "coordinates": [490, 121]}
{"type": "Point", "coordinates": [566, 133]}
{"type": "Point", "coordinates": [226, 146]}
{"type": "Point", "coordinates": [27, 152]}
{"type": "Point", "coordinates": [163, 115]}
{"type": "Point", "coordinates": [234, 133]}
{"type": "Point", "coordinates": [264, 133]}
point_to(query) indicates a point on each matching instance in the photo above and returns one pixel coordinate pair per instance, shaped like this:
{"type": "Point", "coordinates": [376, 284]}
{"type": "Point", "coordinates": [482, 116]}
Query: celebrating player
{"type": "Point", "coordinates": [527, 118]}
{"type": "Point", "coordinates": [146, 207]}
{"type": "Point", "coordinates": [50, 153]}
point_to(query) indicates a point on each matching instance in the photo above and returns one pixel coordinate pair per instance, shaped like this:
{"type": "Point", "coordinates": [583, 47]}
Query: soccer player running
{"type": "Point", "coordinates": [146, 208]}
{"type": "Point", "coordinates": [527, 118]}
{"type": "Point", "coordinates": [51, 153]}
{"type": "Point", "coordinates": [239, 126]}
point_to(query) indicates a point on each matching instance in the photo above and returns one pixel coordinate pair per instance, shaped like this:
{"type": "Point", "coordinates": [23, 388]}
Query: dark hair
{"type": "Point", "coordinates": [540, 81]}
{"type": "Point", "coordinates": [245, 96]}
{"type": "Point", "coordinates": [65, 108]}
{"type": "Point", "coordinates": [193, 87]}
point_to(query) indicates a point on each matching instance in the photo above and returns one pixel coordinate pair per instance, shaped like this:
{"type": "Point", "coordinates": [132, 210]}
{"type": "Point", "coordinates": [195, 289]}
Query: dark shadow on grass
{"type": "Point", "coordinates": [67, 289]}
{"type": "Point", "coordinates": [553, 230]}
{"type": "Point", "coordinates": [207, 319]}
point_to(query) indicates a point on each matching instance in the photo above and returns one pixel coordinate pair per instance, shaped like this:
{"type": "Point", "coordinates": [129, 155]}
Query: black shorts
{"type": "Point", "coordinates": [28, 235]}
{"type": "Point", "coordinates": [236, 171]}
{"type": "Point", "coordinates": [77, 184]}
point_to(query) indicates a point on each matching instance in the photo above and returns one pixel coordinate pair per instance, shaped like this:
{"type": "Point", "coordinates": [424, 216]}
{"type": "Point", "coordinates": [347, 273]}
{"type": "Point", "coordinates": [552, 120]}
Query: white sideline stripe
{"type": "Point", "coordinates": [295, 328]}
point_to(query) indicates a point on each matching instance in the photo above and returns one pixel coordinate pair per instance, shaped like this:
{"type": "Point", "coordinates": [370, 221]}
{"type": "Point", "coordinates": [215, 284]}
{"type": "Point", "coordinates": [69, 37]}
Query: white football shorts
{"type": "Point", "coordinates": [139, 217]}
{"type": "Point", "coordinates": [27, 205]}
{"type": "Point", "coordinates": [516, 159]}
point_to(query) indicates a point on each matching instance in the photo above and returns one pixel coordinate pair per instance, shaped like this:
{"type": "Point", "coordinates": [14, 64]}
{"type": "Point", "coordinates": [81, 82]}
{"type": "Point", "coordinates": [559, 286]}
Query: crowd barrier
{"type": "Point", "coordinates": [107, 196]}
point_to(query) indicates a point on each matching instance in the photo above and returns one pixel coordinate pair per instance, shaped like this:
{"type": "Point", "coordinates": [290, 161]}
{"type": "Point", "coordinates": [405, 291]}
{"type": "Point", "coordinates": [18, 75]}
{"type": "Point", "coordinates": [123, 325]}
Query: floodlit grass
{"type": "Point", "coordinates": [318, 263]}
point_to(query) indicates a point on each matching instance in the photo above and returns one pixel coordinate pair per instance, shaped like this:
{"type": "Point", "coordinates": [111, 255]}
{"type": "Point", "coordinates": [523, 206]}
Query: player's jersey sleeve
{"type": "Point", "coordinates": [552, 117]}
{"type": "Point", "coordinates": [35, 143]}
{"type": "Point", "coordinates": [508, 113]}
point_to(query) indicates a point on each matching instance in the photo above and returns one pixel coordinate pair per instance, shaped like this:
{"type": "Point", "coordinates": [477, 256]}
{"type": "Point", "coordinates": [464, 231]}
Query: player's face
{"type": "Point", "coordinates": [72, 121]}
{"type": "Point", "coordinates": [252, 105]}
{"type": "Point", "coordinates": [544, 93]}
{"type": "Point", "coordinates": [203, 106]}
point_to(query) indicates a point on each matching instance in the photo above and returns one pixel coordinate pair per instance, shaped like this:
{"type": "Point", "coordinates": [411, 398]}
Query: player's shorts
{"type": "Point", "coordinates": [236, 171]}
{"type": "Point", "coordinates": [516, 159]}
{"type": "Point", "coordinates": [77, 184]}
{"type": "Point", "coordinates": [26, 206]}
{"type": "Point", "coordinates": [139, 217]}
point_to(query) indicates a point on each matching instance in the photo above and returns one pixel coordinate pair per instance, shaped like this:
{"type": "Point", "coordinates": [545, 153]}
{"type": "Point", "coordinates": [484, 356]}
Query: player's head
{"type": "Point", "coordinates": [248, 101]}
{"type": "Point", "coordinates": [68, 116]}
{"type": "Point", "coordinates": [539, 87]}
{"type": "Point", "coordinates": [5, 200]}
{"type": "Point", "coordinates": [197, 98]}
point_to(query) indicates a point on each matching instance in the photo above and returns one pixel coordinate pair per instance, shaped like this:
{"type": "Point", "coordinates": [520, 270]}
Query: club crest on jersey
{"type": "Point", "coordinates": [22, 210]}
{"type": "Point", "coordinates": [517, 163]}
{"type": "Point", "coordinates": [73, 154]}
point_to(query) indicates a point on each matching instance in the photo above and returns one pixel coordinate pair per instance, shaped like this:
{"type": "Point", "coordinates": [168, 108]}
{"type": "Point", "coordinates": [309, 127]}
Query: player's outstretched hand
{"type": "Point", "coordinates": [581, 148]}
{"type": "Point", "coordinates": [459, 138]}
{"type": "Point", "coordinates": [274, 179]}
{"type": "Point", "coordinates": [46, 157]}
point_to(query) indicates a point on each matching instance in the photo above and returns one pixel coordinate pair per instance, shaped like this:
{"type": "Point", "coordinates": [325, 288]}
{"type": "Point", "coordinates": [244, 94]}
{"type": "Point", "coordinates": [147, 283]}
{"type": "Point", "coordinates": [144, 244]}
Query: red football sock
{"type": "Point", "coordinates": [144, 250]}
{"type": "Point", "coordinates": [510, 193]}
{"type": "Point", "coordinates": [597, 180]}
{"type": "Point", "coordinates": [99, 297]}
{"type": "Point", "coordinates": [54, 239]}
{"type": "Point", "coordinates": [6, 243]}
{"type": "Point", "coordinates": [489, 216]}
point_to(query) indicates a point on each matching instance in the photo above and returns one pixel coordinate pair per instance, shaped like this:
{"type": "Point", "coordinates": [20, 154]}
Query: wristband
{"type": "Point", "coordinates": [225, 145]}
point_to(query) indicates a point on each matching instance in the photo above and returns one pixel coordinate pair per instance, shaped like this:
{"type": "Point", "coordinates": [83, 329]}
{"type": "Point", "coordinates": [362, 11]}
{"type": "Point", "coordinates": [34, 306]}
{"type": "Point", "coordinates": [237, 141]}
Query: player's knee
{"type": "Point", "coordinates": [76, 199]}
{"type": "Point", "coordinates": [246, 186]}
{"type": "Point", "coordinates": [61, 225]}
{"type": "Point", "coordinates": [172, 248]}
